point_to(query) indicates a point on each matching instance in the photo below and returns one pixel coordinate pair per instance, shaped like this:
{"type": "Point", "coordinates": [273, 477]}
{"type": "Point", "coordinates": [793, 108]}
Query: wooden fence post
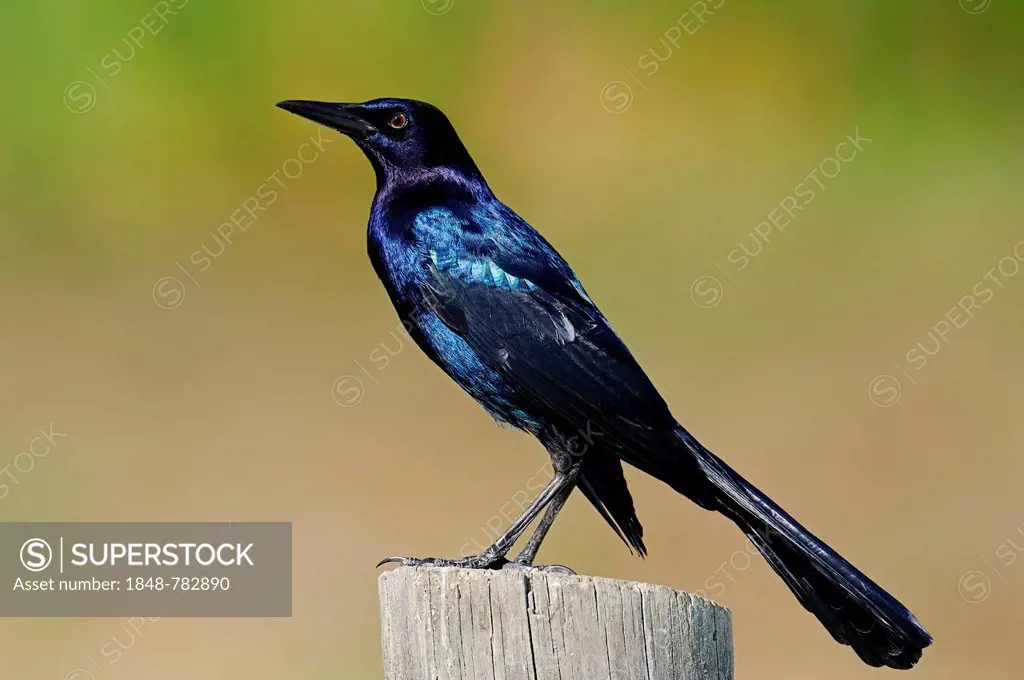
{"type": "Point", "coordinates": [457, 624]}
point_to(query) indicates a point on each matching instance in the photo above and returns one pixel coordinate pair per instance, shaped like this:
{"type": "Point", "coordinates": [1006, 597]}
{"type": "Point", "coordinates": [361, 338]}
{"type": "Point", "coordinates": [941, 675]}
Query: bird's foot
{"type": "Point", "coordinates": [516, 565]}
{"type": "Point", "coordinates": [484, 560]}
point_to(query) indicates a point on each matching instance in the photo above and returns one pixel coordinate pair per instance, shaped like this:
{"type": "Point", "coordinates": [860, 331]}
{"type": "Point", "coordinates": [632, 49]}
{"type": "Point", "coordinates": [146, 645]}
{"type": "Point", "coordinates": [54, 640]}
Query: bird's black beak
{"type": "Point", "coordinates": [344, 118]}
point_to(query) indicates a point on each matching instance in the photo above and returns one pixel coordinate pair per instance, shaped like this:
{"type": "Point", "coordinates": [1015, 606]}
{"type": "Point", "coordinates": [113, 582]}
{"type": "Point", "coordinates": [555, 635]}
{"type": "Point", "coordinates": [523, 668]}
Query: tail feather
{"type": "Point", "coordinates": [854, 609]}
{"type": "Point", "coordinates": [604, 485]}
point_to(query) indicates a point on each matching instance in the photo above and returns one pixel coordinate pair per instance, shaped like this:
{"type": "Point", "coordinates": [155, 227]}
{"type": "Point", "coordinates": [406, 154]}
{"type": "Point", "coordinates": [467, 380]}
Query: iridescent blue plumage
{"type": "Point", "coordinates": [479, 270]}
{"type": "Point", "coordinates": [497, 308]}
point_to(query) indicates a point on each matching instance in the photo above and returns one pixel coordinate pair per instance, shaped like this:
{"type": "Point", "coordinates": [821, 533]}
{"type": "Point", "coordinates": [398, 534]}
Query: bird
{"type": "Point", "coordinates": [490, 301]}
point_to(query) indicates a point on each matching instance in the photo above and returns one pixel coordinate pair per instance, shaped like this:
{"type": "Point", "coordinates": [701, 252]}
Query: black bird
{"type": "Point", "coordinates": [498, 309]}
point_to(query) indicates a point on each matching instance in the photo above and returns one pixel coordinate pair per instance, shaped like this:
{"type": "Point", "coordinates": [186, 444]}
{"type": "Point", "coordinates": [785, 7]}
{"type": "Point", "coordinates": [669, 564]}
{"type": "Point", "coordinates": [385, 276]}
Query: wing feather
{"type": "Point", "coordinates": [557, 352]}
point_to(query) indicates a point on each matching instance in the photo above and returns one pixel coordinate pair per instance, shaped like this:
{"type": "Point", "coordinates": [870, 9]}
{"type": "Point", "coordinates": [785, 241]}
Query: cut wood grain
{"type": "Point", "coordinates": [457, 624]}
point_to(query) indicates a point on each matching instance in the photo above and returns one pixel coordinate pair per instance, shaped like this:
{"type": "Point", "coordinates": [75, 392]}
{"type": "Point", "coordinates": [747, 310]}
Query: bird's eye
{"type": "Point", "coordinates": [398, 121]}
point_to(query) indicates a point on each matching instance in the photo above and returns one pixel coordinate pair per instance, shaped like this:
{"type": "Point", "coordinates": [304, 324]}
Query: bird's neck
{"type": "Point", "coordinates": [404, 193]}
{"type": "Point", "coordinates": [395, 181]}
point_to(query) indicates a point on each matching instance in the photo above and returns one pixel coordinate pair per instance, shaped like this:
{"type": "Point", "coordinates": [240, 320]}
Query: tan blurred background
{"type": "Point", "coordinates": [214, 395]}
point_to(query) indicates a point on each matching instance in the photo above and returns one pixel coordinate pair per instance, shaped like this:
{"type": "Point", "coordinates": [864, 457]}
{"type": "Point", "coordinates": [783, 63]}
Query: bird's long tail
{"type": "Point", "coordinates": [854, 609]}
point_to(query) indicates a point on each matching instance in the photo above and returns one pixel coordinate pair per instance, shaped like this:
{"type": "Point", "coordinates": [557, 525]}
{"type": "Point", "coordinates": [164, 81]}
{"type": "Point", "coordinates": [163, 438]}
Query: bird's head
{"type": "Point", "coordinates": [399, 136]}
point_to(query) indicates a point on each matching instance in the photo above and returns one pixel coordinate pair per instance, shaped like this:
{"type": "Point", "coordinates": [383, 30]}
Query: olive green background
{"type": "Point", "coordinates": [228, 405]}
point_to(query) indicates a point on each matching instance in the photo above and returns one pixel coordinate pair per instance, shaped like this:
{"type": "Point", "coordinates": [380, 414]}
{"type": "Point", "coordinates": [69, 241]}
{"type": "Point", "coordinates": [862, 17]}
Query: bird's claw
{"type": "Point", "coordinates": [548, 568]}
{"type": "Point", "coordinates": [482, 561]}
{"type": "Point", "coordinates": [485, 560]}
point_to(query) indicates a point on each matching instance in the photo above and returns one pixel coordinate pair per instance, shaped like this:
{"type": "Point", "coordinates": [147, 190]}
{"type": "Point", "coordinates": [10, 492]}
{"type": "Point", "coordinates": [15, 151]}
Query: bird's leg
{"type": "Point", "coordinates": [494, 556]}
{"type": "Point", "coordinates": [529, 552]}
{"type": "Point", "coordinates": [565, 462]}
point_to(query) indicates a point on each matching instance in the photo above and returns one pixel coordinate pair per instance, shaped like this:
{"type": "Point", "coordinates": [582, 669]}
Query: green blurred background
{"type": "Point", "coordinates": [218, 398]}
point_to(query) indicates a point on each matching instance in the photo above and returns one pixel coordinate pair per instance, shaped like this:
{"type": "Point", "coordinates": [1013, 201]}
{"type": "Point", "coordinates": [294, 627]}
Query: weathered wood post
{"type": "Point", "coordinates": [457, 624]}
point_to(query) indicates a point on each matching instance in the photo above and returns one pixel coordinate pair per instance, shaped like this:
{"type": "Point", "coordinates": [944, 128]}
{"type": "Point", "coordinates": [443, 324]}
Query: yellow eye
{"type": "Point", "coordinates": [398, 121]}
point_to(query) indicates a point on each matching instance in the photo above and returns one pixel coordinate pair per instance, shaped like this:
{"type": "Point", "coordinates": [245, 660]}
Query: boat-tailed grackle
{"type": "Point", "coordinates": [488, 299]}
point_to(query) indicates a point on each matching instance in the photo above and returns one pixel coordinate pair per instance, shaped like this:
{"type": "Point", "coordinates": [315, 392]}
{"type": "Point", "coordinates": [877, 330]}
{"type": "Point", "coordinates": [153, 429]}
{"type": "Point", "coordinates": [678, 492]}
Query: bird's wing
{"type": "Point", "coordinates": [553, 346]}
